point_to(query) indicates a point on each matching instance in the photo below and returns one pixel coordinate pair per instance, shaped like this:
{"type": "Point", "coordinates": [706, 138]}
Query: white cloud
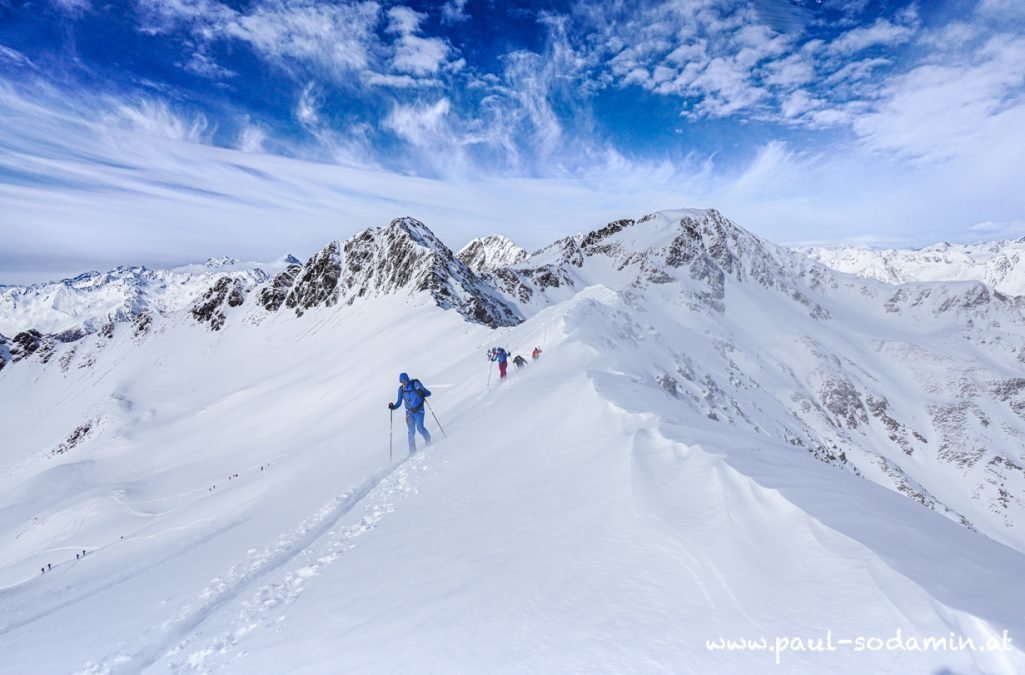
{"type": "Point", "coordinates": [73, 7]}
{"type": "Point", "coordinates": [1002, 9]}
{"type": "Point", "coordinates": [799, 103]}
{"type": "Point", "coordinates": [202, 65]}
{"type": "Point", "coordinates": [334, 39]}
{"type": "Point", "coordinates": [154, 118]}
{"type": "Point", "coordinates": [1005, 230]}
{"type": "Point", "coordinates": [307, 107]}
{"type": "Point", "coordinates": [109, 193]}
{"type": "Point", "coordinates": [104, 181]}
{"type": "Point", "coordinates": [310, 38]}
{"type": "Point", "coordinates": [791, 71]}
{"type": "Point", "coordinates": [414, 54]}
{"type": "Point", "coordinates": [454, 11]}
{"type": "Point", "coordinates": [421, 124]}
{"type": "Point", "coordinates": [944, 110]}
{"type": "Point", "coordinates": [400, 81]}
{"type": "Point", "coordinates": [251, 138]}
{"type": "Point", "coordinates": [404, 20]}
{"type": "Point", "coordinates": [856, 71]}
{"type": "Point", "coordinates": [14, 56]}
{"type": "Point", "coordinates": [419, 56]}
{"type": "Point", "coordinates": [880, 33]}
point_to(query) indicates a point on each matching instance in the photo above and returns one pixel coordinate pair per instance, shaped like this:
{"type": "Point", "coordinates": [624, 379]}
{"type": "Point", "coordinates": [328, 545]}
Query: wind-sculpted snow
{"type": "Point", "coordinates": [837, 352]}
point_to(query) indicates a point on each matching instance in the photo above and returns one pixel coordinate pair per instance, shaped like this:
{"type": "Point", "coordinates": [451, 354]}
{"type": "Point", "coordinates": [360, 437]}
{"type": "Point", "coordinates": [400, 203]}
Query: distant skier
{"type": "Point", "coordinates": [537, 353]}
{"type": "Point", "coordinates": [502, 356]}
{"type": "Point", "coordinates": [519, 361]}
{"type": "Point", "coordinates": [413, 394]}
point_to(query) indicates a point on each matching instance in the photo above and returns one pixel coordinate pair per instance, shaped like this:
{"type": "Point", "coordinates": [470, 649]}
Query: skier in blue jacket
{"type": "Point", "coordinates": [412, 393]}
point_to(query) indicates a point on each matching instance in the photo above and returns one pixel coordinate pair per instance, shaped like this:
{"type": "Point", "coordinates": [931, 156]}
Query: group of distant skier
{"type": "Point", "coordinates": [413, 395]}
{"type": "Point", "coordinates": [502, 356]}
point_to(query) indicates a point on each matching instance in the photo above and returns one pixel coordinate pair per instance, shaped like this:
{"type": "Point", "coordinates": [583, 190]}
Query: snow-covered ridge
{"type": "Point", "coordinates": [1000, 264]}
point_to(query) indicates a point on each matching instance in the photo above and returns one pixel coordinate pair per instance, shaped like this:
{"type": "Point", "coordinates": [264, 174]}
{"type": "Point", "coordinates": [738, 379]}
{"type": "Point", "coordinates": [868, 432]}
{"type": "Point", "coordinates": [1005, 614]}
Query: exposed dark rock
{"type": "Point", "coordinates": [66, 358]}
{"type": "Point", "coordinates": [407, 255]}
{"type": "Point", "coordinates": [71, 335]}
{"type": "Point", "coordinates": [25, 344]}
{"type": "Point", "coordinates": [317, 281]}
{"type": "Point", "coordinates": [74, 438]}
{"type": "Point", "coordinates": [230, 291]}
{"type": "Point", "coordinates": [142, 324]}
{"type": "Point", "coordinates": [590, 242]}
{"type": "Point", "coordinates": [273, 297]}
{"type": "Point", "coordinates": [669, 385]}
{"type": "Point", "coordinates": [896, 432]}
{"type": "Point", "coordinates": [841, 397]}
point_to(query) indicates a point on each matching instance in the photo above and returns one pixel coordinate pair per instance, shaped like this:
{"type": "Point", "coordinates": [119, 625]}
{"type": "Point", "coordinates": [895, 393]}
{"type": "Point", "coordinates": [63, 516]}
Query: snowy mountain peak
{"type": "Point", "coordinates": [486, 254]}
{"type": "Point", "coordinates": [89, 301]}
{"type": "Point", "coordinates": [1000, 264]}
{"type": "Point", "coordinates": [223, 261]}
{"type": "Point", "coordinates": [404, 256]}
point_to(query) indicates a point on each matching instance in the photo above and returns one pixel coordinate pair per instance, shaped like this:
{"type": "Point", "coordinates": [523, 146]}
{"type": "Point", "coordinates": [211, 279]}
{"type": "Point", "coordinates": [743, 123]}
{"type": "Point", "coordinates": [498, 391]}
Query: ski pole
{"type": "Point", "coordinates": [436, 419]}
{"type": "Point", "coordinates": [391, 428]}
{"type": "Point", "coordinates": [490, 369]}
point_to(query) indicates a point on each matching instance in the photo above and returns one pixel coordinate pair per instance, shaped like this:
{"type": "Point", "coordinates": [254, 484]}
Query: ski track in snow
{"type": "Point", "coordinates": [174, 636]}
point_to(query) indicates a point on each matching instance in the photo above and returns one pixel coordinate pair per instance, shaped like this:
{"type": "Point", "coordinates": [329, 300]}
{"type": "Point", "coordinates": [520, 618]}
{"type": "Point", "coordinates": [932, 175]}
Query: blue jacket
{"type": "Point", "coordinates": [412, 394]}
{"type": "Point", "coordinates": [500, 355]}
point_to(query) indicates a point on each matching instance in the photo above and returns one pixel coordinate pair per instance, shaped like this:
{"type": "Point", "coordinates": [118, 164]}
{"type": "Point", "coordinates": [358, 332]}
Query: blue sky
{"type": "Point", "coordinates": [165, 131]}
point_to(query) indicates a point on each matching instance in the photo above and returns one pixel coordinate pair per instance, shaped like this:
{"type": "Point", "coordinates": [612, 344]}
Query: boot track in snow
{"type": "Point", "coordinates": [173, 637]}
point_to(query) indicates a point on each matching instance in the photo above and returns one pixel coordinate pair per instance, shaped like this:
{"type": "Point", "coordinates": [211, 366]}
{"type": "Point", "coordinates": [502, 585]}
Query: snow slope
{"type": "Point", "coordinates": [1000, 264]}
{"type": "Point", "coordinates": [662, 477]}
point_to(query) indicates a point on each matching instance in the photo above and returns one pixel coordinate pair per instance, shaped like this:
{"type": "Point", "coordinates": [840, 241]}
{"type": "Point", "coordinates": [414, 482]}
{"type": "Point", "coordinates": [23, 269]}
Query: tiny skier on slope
{"type": "Point", "coordinates": [412, 393]}
{"type": "Point", "coordinates": [537, 353]}
{"type": "Point", "coordinates": [501, 355]}
{"type": "Point", "coordinates": [519, 361]}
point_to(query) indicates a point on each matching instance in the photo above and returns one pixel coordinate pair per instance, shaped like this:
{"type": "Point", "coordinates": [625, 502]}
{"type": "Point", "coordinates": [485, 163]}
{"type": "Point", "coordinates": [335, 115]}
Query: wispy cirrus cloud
{"type": "Point", "coordinates": [332, 39]}
{"type": "Point", "coordinates": [139, 180]}
{"type": "Point", "coordinates": [883, 32]}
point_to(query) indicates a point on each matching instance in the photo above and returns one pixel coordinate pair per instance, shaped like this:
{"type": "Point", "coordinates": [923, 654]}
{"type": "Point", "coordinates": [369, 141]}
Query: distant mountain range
{"type": "Point", "coordinates": [1000, 264]}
